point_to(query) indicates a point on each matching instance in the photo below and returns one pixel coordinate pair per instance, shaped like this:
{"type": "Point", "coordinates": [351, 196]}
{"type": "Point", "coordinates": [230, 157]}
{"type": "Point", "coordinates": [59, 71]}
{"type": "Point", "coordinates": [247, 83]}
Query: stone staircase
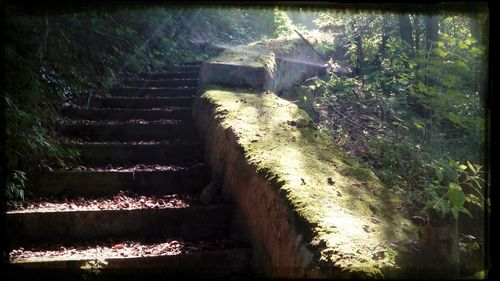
{"type": "Point", "coordinates": [139, 143]}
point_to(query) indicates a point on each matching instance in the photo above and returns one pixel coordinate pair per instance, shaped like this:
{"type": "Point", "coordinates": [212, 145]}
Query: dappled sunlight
{"type": "Point", "coordinates": [351, 210]}
{"type": "Point", "coordinates": [261, 51]}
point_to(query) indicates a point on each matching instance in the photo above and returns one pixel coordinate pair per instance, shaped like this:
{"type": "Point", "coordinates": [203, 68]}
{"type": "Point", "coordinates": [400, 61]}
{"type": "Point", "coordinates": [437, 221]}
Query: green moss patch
{"type": "Point", "coordinates": [354, 220]}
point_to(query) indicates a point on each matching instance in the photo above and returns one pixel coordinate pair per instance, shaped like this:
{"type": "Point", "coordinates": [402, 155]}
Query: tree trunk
{"type": "Point", "coordinates": [385, 36]}
{"type": "Point", "coordinates": [438, 244]}
{"type": "Point", "coordinates": [416, 27]}
{"type": "Point", "coordinates": [405, 29]}
{"type": "Point", "coordinates": [481, 75]}
{"type": "Point", "coordinates": [431, 32]}
{"type": "Point", "coordinates": [358, 43]}
{"type": "Point", "coordinates": [45, 37]}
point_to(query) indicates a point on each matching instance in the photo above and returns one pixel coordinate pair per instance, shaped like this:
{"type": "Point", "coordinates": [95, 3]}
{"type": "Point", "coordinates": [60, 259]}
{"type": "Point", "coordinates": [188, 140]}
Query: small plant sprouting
{"type": "Point", "coordinates": [93, 267]}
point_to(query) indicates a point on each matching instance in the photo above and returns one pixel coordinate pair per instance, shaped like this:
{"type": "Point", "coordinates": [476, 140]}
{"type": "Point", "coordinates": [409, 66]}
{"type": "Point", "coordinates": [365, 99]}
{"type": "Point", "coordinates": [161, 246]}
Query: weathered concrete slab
{"type": "Point", "coordinates": [176, 129]}
{"type": "Point", "coordinates": [77, 112]}
{"type": "Point", "coordinates": [153, 91]}
{"type": "Point", "coordinates": [235, 74]}
{"type": "Point", "coordinates": [172, 153]}
{"type": "Point", "coordinates": [100, 183]}
{"type": "Point", "coordinates": [184, 82]}
{"type": "Point", "coordinates": [265, 65]}
{"type": "Point", "coordinates": [195, 222]}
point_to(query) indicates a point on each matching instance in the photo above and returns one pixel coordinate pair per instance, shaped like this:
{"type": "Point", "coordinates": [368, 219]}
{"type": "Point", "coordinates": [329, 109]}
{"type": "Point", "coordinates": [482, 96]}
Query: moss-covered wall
{"type": "Point", "coordinates": [307, 208]}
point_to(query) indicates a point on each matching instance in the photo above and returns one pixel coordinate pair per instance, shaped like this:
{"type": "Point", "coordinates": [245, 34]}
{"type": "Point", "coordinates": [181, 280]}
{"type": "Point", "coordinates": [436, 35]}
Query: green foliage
{"type": "Point", "coordinates": [409, 108]}
{"type": "Point", "coordinates": [284, 25]}
{"type": "Point", "coordinates": [446, 190]}
{"type": "Point", "coordinates": [92, 268]}
{"type": "Point", "coordinates": [15, 187]}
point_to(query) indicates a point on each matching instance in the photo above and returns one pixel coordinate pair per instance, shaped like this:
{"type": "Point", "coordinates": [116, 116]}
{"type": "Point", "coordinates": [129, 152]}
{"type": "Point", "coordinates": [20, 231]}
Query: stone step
{"type": "Point", "coordinates": [171, 75]}
{"type": "Point", "coordinates": [184, 68]}
{"type": "Point", "coordinates": [92, 182]}
{"type": "Point", "coordinates": [216, 261]}
{"type": "Point", "coordinates": [192, 222]}
{"type": "Point", "coordinates": [162, 83]}
{"type": "Point", "coordinates": [152, 92]}
{"type": "Point", "coordinates": [79, 112]}
{"type": "Point", "coordinates": [161, 153]}
{"type": "Point", "coordinates": [123, 131]}
{"type": "Point", "coordinates": [140, 102]}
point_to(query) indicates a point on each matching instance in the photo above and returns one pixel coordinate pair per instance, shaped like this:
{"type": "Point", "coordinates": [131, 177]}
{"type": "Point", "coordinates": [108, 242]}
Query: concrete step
{"type": "Point", "coordinates": [227, 261]}
{"type": "Point", "coordinates": [184, 68]}
{"type": "Point", "coordinates": [79, 112]}
{"type": "Point", "coordinates": [161, 153]}
{"type": "Point", "coordinates": [93, 182]}
{"type": "Point", "coordinates": [171, 75]}
{"type": "Point", "coordinates": [123, 131]}
{"type": "Point", "coordinates": [190, 82]}
{"type": "Point", "coordinates": [192, 223]}
{"type": "Point", "coordinates": [140, 102]}
{"type": "Point", "coordinates": [153, 92]}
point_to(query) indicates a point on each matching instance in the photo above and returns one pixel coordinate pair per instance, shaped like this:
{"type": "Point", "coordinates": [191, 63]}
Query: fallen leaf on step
{"type": "Point", "coordinates": [118, 246]}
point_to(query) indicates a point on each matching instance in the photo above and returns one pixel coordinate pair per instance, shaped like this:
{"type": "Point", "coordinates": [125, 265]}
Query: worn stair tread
{"type": "Point", "coordinates": [68, 121]}
{"type": "Point", "coordinates": [173, 141]}
{"type": "Point", "coordinates": [139, 102]}
{"type": "Point", "coordinates": [120, 114]}
{"type": "Point", "coordinates": [94, 181]}
{"type": "Point", "coordinates": [176, 82]}
{"type": "Point", "coordinates": [152, 91]}
{"type": "Point", "coordinates": [120, 201]}
{"type": "Point", "coordinates": [118, 217]}
{"type": "Point", "coordinates": [129, 131]}
{"type": "Point", "coordinates": [75, 168]}
{"type": "Point", "coordinates": [63, 255]}
{"type": "Point", "coordinates": [172, 153]}
{"type": "Point", "coordinates": [171, 74]}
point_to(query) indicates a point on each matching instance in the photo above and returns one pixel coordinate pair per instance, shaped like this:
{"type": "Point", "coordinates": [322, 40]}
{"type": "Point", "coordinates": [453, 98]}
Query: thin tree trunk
{"type": "Point", "coordinates": [431, 32]}
{"type": "Point", "coordinates": [45, 37]}
{"type": "Point", "coordinates": [416, 27]}
{"type": "Point", "coordinates": [405, 28]}
{"type": "Point", "coordinates": [358, 43]}
{"type": "Point", "coordinates": [383, 44]}
{"type": "Point", "coordinates": [405, 33]}
{"type": "Point", "coordinates": [481, 76]}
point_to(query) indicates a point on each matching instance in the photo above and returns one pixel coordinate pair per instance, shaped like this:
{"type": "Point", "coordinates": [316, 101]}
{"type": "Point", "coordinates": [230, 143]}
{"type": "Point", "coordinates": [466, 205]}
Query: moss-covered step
{"type": "Point", "coordinates": [183, 91]}
{"type": "Point", "coordinates": [193, 260]}
{"type": "Point", "coordinates": [139, 102]}
{"type": "Point", "coordinates": [181, 82]}
{"type": "Point", "coordinates": [126, 131]}
{"type": "Point", "coordinates": [347, 223]}
{"type": "Point", "coordinates": [163, 153]}
{"type": "Point", "coordinates": [170, 75]}
{"type": "Point", "coordinates": [80, 112]}
{"type": "Point", "coordinates": [192, 222]}
{"type": "Point", "coordinates": [170, 180]}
